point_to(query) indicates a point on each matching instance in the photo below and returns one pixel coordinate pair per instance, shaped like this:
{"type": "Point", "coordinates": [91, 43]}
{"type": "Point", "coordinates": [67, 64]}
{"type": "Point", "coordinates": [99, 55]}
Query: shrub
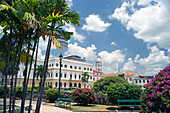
{"type": "Point", "coordinates": [83, 96]}
{"type": "Point", "coordinates": [47, 87]}
{"type": "Point", "coordinates": [101, 85]}
{"type": "Point", "coordinates": [156, 96]}
{"type": "Point", "coordinates": [36, 88]}
{"type": "Point", "coordinates": [19, 91]}
{"type": "Point", "coordinates": [52, 94]}
{"type": "Point", "coordinates": [123, 91]}
{"type": "Point", "coordinates": [2, 90]}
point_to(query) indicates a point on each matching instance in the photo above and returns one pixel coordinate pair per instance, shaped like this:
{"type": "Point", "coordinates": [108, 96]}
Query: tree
{"type": "Point", "coordinates": [85, 78]}
{"type": "Point", "coordinates": [101, 85]}
{"type": "Point", "coordinates": [39, 70]}
{"type": "Point", "coordinates": [122, 76]}
{"type": "Point", "coordinates": [27, 21]}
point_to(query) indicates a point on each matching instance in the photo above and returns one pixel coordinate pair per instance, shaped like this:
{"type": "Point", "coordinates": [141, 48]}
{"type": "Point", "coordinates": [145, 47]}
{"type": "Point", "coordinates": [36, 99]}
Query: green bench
{"type": "Point", "coordinates": [64, 101]}
{"type": "Point", "coordinates": [34, 95]}
{"type": "Point", "coordinates": [128, 102]}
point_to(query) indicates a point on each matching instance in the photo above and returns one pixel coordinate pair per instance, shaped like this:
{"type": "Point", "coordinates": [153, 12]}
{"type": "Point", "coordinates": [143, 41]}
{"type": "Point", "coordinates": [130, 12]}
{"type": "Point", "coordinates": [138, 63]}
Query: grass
{"type": "Point", "coordinates": [90, 107]}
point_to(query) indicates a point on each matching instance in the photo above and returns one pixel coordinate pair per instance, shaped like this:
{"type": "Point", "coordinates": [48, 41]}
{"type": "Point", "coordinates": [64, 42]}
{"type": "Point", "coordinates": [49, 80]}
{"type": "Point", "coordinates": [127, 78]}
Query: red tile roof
{"type": "Point", "coordinates": [111, 74]}
{"type": "Point", "coordinates": [142, 76]}
{"type": "Point", "coordinates": [97, 71]}
{"type": "Point", "coordinates": [130, 73]}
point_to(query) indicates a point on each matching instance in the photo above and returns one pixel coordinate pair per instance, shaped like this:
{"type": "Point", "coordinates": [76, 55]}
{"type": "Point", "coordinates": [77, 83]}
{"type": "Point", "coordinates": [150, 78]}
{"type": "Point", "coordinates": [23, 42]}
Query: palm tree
{"type": "Point", "coordinates": [85, 78]}
{"type": "Point", "coordinates": [39, 70]}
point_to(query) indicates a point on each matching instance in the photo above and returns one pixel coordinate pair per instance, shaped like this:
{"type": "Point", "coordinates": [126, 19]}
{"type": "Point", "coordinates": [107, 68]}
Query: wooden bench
{"type": "Point", "coordinates": [128, 102]}
{"type": "Point", "coordinates": [64, 101]}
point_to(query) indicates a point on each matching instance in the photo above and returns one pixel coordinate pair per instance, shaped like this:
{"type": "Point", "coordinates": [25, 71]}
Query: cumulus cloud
{"type": "Point", "coordinates": [130, 65]}
{"type": "Point", "coordinates": [89, 52]}
{"type": "Point", "coordinates": [113, 43]}
{"type": "Point", "coordinates": [94, 23]}
{"type": "Point", "coordinates": [70, 2]}
{"type": "Point", "coordinates": [155, 61]}
{"type": "Point", "coordinates": [151, 22]}
{"type": "Point", "coordinates": [111, 60]}
{"type": "Point", "coordinates": [76, 35]}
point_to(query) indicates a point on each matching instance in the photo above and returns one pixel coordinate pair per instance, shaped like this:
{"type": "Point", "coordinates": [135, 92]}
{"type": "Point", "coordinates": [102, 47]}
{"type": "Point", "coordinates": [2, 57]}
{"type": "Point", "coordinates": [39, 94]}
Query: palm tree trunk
{"type": "Point", "coordinates": [33, 82]}
{"type": "Point", "coordinates": [44, 77]}
{"type": "Point", "coordinates": [25, 78]}
{"type": "Point", "coordinates": [16, 75]}
{"type": "Point", "coordinates": [7, 69]}
{"type": "Point", "coordinates": [84, 85]}
{"type": "Point", "coordinates": [13, 68]}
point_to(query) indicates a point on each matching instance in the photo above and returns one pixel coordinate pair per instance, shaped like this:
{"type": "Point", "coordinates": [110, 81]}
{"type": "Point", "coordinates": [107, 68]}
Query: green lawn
{"type": "Point", "coordinates": [91, 107]}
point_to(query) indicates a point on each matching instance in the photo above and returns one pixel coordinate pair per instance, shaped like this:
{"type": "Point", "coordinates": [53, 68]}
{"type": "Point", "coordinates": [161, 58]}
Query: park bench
{"type": "Point", "coordinates": [128, 102]}
{"type": "Point", "coordinates": [34, 95]}
{"type": "Point", "coordinates": [64, 101]}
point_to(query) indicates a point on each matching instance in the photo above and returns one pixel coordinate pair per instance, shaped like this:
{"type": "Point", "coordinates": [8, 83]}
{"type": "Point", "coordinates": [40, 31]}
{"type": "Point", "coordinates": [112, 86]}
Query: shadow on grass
{"type": "Point", "coordinates": [83, 105]}
{"type": "Point", "coordinates": [124, 109]}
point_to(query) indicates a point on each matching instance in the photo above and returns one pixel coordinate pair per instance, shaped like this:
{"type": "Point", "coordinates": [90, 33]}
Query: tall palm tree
{"type": "Point", "coordinates": [84, 78]}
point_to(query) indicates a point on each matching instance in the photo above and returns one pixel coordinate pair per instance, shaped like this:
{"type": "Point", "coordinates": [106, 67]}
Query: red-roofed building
{"type": "Point", "coordinates": [111, 74]}
{"type": "Point", "coordinates": [97, 75]}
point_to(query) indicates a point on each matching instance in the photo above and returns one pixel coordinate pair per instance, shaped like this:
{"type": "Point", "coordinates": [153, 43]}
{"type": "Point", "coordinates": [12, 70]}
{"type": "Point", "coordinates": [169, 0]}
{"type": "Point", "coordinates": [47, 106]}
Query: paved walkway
{"type": "Point", "coordinates": [53, 109]}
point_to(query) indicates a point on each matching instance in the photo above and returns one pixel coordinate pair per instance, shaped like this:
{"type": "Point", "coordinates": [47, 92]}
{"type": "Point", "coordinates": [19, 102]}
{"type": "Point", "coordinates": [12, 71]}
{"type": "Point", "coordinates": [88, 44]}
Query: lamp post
{"type": "Point", "coordinates": [60, 57]}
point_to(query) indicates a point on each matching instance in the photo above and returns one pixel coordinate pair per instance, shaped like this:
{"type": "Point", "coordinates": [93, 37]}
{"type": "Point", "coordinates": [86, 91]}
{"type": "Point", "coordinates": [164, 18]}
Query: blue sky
{"type": "Point", "coordinates": [133, 35]}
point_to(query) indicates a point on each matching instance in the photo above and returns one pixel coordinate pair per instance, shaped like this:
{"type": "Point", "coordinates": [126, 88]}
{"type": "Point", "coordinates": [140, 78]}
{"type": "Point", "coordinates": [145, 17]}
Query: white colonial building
{"type": "Point", "coordinates": [71, 72]}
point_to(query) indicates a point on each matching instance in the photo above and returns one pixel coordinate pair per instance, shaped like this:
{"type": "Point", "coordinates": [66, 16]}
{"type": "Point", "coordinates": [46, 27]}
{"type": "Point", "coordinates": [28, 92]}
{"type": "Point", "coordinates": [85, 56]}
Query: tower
{"type": "Point", "coordinates": [98, 64]}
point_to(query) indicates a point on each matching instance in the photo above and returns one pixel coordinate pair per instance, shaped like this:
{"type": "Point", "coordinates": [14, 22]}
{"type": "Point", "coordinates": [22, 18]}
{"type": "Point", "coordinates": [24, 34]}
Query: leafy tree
{"type": "Point", "coordinates": [123, 91]}
{"type": "Point", "coordinates": [122, 75]}
{"type": "Point", "coordinates": [101, 85]}
{"type": "Point", "coordinates": [84, 78]}
{"type": "Point", "coordinates": [39, 70]}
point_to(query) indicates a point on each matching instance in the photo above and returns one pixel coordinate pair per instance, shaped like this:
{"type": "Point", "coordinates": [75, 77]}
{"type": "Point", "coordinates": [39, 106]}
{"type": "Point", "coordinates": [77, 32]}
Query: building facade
{"type": "Point", "coordinates": [97, 75]}
{"type": "Point", "coordinates": [71, 72]}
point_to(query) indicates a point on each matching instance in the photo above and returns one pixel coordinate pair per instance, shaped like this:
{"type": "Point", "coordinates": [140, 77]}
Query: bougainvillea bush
{"type": "Point", "coordinates": [156, 97]}
{"type": "Point", "coordinates": [83, 96]}
{"type": "Point", "coordinates": [123, 91]}
{"type": "Point", "coordinates": [52, 94]}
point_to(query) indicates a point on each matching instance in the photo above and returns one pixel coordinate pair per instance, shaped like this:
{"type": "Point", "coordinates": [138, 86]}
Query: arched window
{"type": "Point", "coordinates": [130, 79]}
{"type": "Point", "coordinates": [55, 84]}
{"type": "Point", "coordinates": [75, 84]}
{"type": "Point", "coordinates": [70, 76]}
{"type": "Point", "coordinates": [64, 84]}
{"type": "Point", "coordinates": [75, 76]}
{"type": "Point", "coordinates": [70, 85]}
{"type": "Point", "coordinates": [79, 77]}
{"type": "Point", "coordinates": [79, 85]}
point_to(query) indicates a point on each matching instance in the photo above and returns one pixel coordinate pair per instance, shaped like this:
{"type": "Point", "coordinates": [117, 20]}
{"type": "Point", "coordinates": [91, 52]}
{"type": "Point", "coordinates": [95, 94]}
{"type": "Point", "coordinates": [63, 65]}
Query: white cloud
{"type": "Point", "coordinates": [150, 23]}
{"type": "Point", "coordinates": [113, 43]}
{"type": "Point", "coordinates": [129, 66]}
{"type": "Point", "coordinates": [89, 52]}
{"type": "Point", "coordinates": [76, 36]}
{"type": "Point", "coordinates": [94, 23]}
{"type": "Point", "coordinates": [155, 61]}
{"type": "Point", "coordinates": [43, 44]}
{"type": "Point", "coordinates": [70, 2]}
{"type": "Point", "coordinates": [111, 60]}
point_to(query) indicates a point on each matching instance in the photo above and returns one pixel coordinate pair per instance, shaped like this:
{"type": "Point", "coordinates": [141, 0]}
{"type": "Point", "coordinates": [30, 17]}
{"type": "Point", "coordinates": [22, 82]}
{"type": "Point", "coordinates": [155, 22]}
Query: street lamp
{"type": "Point", "coordinates": [60, 57]}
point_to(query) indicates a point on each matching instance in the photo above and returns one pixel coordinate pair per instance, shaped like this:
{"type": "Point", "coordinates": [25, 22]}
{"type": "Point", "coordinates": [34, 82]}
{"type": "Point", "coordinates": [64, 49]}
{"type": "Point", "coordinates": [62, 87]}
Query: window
{"type": "Point", "coordinates": [79, 77]}
{"type": "Point", "coordinates": [48, 83]}
{"type": "Point", "coordinates": [91, 77]}
{"type": "Point", "coordinates": [51, 83]}
{"type": "Point", "coordinates": [70, 85]}
{"type": "Point", "coordinates": [147, 81]}
{"type": "Point", "coordinates": [52, 65]}
{"type": "Point", "coordinates": [136, 81]}
{"type": "Point", "coordinates": [130, 79]}
{"type": "Point", "coordinates": [87, 69]}
{"type": "Point", "coordinates": [55, 84]}
{"type": "Point", "coordinates": [71, 67]}
{"type": "Point", "coordinates": [65, 66]}
{"type": "Point", "coordinates": [143, 81]}
{"type": "Point", "coordinates": [75, 67]}
{"type": "Point", "coordinates": [75, 84]}
{"type": "Point", "coordinates": [56, 74]}
{"type": "Point", "coordinates": [49, 65]}
{"type": "Point", "coordinates": [70, 76]}
{"type": "Point", "coordinates": [84, 68]}
{"type": "Point", "coordinates": [75, 76]}
{"type": "Point", "coordinates": [51, 74]}
{"type": "Point", "coordinates": [139, 81]}
{"type": "Point", "coordinates": [90, 69]}
{"type": "Point", "coordinates": [64, 84]}
{"type": "Point", "coordinates": [79, 85]}
{"type": "Point", "coordinates": [56, 64]}
{"type": "Point", "coordinates": [65, 75]}
{"type": "Point", "coordinates": [79, 68]}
